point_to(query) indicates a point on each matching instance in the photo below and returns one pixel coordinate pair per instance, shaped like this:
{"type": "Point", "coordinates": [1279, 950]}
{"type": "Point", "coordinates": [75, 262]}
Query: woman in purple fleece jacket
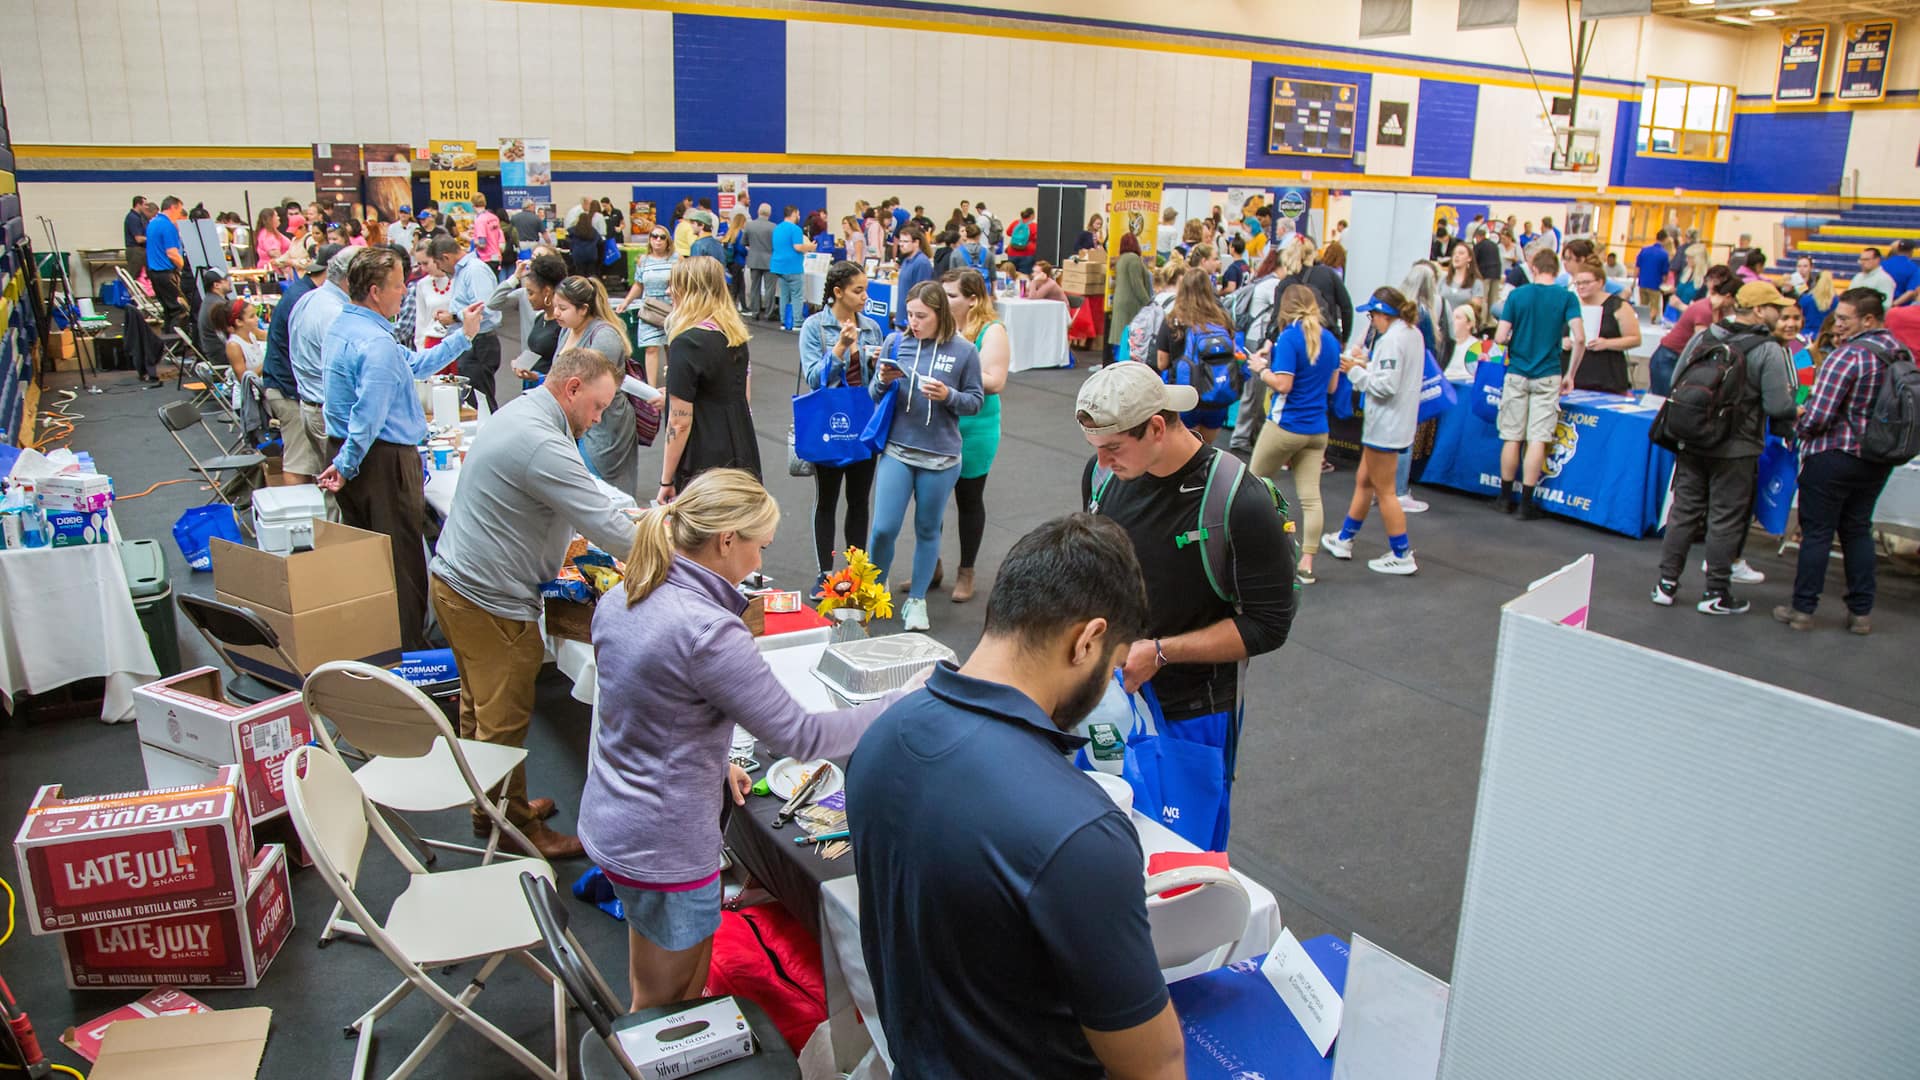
{"type": "Point", "coordinates": [677, 670]}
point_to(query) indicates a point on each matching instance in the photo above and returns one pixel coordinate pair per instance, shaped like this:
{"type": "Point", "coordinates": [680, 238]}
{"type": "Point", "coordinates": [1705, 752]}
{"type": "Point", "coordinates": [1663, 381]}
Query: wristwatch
{"type": "Point", "coordinates": [1159, 654]}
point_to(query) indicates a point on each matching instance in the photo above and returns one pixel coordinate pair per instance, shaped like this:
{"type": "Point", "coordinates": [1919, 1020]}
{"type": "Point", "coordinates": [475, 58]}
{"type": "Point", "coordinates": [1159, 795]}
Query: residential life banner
{"type": "Point", "coordinates": [389, 186]}
{"type": "Point", "coordinates": [336, 176]}
{"type": "Point", "coordinates": [454, 176]}
{"type": "Point", "coordinates": [1803, 64]}
{"type": "Point", "coordinates": [1134, 207]}
{"type": "Point", "coordinates": [526, 172]}
{"type": "Point", "coordinates": [1863, 68]}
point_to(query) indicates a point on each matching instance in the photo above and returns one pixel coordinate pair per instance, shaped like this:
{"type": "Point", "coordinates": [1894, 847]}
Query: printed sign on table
{"type": "Point", "coordinates": [455, 175]}
{"type": "Point", "coordinates": [526, 172]}
{"type": "Point", "coordinates": [1863, 67]}
{"type": "Point", "coordinates": [336, 175]}
{"type": "Point", "coordinates": [1803, 65]}
{"type": "Point", "coordinates": [389, 168]}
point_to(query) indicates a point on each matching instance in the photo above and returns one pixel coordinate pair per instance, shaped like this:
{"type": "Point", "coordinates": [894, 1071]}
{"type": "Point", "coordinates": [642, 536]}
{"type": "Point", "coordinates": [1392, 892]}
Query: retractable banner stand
{"type": "Point", "coordinates": [1863, 67]}
{"type": "Point", "coordinates": [336, 177]}
{"type": "Point", "coordinates": [455, 176]}
{"type": "Point", "coordinates": [389, 183]}
{"type": "Point", "coordinates": [1803, 65]}
{"type": "Point", "coordinates": [733, 196]}
{"type": "Point", "coordinates": [526, 172]}
{"type": "Point", "coordinates": [1133, 209]}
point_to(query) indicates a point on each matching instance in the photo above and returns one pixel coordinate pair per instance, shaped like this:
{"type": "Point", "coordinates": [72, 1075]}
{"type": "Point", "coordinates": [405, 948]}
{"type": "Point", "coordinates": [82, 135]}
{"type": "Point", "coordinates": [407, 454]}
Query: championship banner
{"type": "Point", "coordinates": [1134, 207]}
{"type": "Point", "coordinates": [1803, 65]}
{"type": "Point", "coordinates": [733, 196]}
{"type": "Point", "coordinates": [454, 176]}
{"type": "Point", "coordinates": [526, 172]}
{"type": "Point", "coordinates": [389, 169]}
{"type": "Point", "coordinates": [1863, 67]}
{"type": "Point", "coordinates": [336, 176]}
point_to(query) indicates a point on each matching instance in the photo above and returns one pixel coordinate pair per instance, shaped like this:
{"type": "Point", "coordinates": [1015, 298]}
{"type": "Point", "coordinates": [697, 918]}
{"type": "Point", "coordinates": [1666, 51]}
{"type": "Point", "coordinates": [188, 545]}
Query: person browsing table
{"type": "Point", "coordinates": [1536, 319]}
{"type": "Point", "coordinates": [1151, 474]}
{"type": "Point", "coordinates": [523, 493]}
{"type": "Point", "coordinates": [1022, 947]}
{"type": "Point", "coordinates": [301, 452]}
{"type": "Point", "coordinates": [473, 282]}
{"type": "Point", "coordinates": [375, 424]}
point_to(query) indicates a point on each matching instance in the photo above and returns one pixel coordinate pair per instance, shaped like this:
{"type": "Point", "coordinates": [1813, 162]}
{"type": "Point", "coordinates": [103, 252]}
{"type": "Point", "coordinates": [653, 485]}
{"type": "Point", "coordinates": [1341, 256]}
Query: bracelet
{"type": "Point", "coordinates": [1159, 654]}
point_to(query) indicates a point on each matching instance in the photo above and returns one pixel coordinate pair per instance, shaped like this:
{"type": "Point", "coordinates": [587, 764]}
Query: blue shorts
{"type": "Point", "coordinates": [1205, 418]}
{"type": "Point", "coordinates": [675, 921]}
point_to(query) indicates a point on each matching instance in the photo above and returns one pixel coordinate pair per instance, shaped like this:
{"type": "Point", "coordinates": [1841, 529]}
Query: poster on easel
{"type": "Point", "coordinates": [389, 183]}
{"type": "Point", "coordinates": [733, 195]}
{"type": "Point", "coordinates": [454, 176]}
{"type": "Point", "coordinates": [1803, 65]}
{"type": "Point", "coordinates": [526, 172]}
{"type": "Point", "coordinates": [1133, 210]}
{"type": "Point", "coordinates": [1863, 64]}
{"type": "Point", "coordinates": [336, 177]}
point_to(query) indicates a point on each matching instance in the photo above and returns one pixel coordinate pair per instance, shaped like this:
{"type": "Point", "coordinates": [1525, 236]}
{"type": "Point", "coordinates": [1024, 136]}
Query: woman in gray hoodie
{"type": "Point", "coordinates": [933, 375]}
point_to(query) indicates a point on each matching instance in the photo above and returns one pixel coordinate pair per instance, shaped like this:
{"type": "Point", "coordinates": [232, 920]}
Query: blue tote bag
{"type": "Point", "coordinates": [1489, 382]}
{"type": "Point", "coordinates": [1341, 400]}
{"type": "Point", "coordinates": [1177, 783]}
{"type": "Point", "coordinates": [1436, 393]}
{"type": "Point", "coordinates": [830, 424]}
{"type": "Point", "coordinates": [1778, 483]}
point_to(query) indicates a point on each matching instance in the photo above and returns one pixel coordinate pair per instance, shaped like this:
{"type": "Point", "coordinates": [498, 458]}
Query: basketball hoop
{"type": "Point", "coordinates": [1576, 150]}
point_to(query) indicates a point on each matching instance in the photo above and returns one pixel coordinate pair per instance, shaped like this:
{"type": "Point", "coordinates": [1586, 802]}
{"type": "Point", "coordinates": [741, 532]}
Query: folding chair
{"type": "Point", "coordinates": [228, 627]}
{"type": "Point", "coordinates": [1207, 920]}
{"type": "Point", "coordinates": [440, 919]}
{"type": "Point", "coordinates": [601, 1056]}
{"type": "Point", "coordinates": [415, 764]}
{"type": "Point", "coordinates": [234, 477]}
{"type": "Point", "coordinates": [209, 381]}
{"type": "Point", "coordinates": [155, 316]}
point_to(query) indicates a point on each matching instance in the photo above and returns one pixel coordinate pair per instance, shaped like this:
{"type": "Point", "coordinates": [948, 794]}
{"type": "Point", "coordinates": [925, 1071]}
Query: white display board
{"type": "Point", "coordinates": [1387, 233]}
{"type": "Point", "coordinates": [1680, 872]}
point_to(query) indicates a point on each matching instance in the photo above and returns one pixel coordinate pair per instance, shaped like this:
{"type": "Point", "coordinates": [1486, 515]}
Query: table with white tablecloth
{"type": "Point", "coordinates": [68, 616]}
{"type": "Point", "coordinates": [1036, 332]}
{"type": "Point", "coordinates": [1900, 501]}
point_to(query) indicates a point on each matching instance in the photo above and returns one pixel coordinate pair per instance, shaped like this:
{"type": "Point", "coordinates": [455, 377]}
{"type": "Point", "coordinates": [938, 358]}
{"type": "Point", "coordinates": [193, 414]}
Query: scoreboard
{"type": "Point", "coordinates": [1312, 118]}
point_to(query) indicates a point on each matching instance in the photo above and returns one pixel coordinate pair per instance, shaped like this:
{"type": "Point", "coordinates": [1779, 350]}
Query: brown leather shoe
{"type": "Point", "coordinates": [553, 845]}
{"type": "Point", "coordinates": [1859, 624]}
{"type": "Point", "coordinates": [542, 810]}
{"type": "Point", "coordinates": [963, 585]}
{"type": "Point", "coordinates": [1795, 620]}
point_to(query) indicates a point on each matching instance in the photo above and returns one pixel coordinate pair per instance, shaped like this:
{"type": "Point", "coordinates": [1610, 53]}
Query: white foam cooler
{"type": "Point", "coordinates": [283, 517]}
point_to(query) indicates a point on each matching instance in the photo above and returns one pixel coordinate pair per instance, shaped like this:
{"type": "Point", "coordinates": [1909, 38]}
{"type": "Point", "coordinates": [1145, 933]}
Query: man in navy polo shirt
{"type": "Point", "coordinates": [1001, 913]}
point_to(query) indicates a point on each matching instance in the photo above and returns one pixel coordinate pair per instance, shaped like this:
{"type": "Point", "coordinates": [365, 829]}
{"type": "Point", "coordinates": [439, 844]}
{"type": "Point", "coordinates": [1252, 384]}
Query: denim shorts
{"type": "Point", "coordinates": [672, 920]}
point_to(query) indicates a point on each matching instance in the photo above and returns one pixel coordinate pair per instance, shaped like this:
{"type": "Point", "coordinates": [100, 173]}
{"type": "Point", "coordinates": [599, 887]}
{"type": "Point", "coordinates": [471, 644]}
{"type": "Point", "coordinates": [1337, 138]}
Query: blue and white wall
{"type": "Point", "coordinates": [217, 100]}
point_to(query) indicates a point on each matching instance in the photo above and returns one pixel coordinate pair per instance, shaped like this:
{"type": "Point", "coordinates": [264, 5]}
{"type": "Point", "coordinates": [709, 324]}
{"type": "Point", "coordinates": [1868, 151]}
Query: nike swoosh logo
{"type": "Point", "coordinates": [1191, 490]}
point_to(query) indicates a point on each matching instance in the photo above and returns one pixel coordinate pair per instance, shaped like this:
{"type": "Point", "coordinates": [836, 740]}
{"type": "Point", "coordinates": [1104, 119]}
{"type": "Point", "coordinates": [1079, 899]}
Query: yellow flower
{"type": "Point", "coordinates": [857, 585]}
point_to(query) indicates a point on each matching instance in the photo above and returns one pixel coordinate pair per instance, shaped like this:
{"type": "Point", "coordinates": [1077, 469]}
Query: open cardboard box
{"type": "Point", "coordinates": [335, 602]}
{"type": "Point", "coordinates": [188, 730]}
{"type": "Point", "coordinates": [223, 1045]}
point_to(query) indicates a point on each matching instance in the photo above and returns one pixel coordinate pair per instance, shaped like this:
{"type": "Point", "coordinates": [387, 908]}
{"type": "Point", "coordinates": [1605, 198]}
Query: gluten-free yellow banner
{"type": "Point", "coordinates": [454, 175]}
{"type": "Point", "coordinates": [1134, 208]}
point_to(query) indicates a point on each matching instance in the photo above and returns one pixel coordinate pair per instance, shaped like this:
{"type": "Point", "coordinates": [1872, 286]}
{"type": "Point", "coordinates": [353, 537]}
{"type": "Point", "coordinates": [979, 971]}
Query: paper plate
{"type": "Point", "coordinates": [786, 775]}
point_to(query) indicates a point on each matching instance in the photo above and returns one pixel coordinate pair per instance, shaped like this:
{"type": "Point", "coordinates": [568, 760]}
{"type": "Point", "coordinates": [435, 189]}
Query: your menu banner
{"type": "Point", "coordinates": [454, 176]}
{"type": "Point", "coordinates": [1803, 65]}
{"type": "Point", "coordinates": [526, 172]}
{"type": "Point", "coordinates": [1863, 68]}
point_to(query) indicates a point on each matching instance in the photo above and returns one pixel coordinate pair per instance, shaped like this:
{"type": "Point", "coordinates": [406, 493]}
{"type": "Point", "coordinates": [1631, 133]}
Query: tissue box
{"type": "Point", "coordinates": [73, 528]}
{"type": "Point", "coordinates": [688, 1041]}
{"type": "Point", "coordinates": [75, 491]}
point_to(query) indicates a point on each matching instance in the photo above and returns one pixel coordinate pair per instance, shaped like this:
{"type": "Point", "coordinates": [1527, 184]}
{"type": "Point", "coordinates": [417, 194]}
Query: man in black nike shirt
{"type": "Point", "coordinates": [1149, 474]}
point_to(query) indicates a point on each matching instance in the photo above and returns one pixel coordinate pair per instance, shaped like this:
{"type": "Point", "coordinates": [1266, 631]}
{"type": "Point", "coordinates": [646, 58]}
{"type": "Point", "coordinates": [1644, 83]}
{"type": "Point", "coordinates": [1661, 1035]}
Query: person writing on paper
{"type": "Point", "coordinates": [1021, 948]}
{"type": "Point", "coordinates": [524, 492]}
{"type": "Point", "coordinates": [678, 669]}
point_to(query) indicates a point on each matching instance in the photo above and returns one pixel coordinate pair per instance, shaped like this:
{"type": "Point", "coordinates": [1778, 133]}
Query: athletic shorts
{"type": "Point", "coordinates": [1529, 409]}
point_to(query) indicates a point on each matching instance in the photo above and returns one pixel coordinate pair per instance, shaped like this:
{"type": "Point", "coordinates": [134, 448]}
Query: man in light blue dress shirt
{"type": "Point", "coordinates": [375, 424]}
{"type": "Point", "coordinates": [473, 282]}
{"type": "Point", "coordinates": [312, 316]}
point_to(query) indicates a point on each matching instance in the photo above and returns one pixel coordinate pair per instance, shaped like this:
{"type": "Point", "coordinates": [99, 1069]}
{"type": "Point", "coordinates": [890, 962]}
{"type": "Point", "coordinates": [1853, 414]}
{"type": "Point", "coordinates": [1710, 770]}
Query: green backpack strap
{"type": "Point", "coordinates": [1102, 476]}
{"type": "Point", "coordinates": [1213, 530]}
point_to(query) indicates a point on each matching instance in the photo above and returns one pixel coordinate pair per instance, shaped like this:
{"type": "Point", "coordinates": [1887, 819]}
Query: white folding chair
{"type": "Point", "coordinates": [1204, 921]}
{"type": "Point", "coordinates": [440, 919]}
{"type": "Point", "coordinates": [416, 764]}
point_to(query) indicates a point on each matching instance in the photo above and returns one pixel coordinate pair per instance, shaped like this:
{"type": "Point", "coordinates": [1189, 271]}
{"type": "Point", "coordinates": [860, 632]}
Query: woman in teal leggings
{"type": "Point", "coordinates": [978, 322]}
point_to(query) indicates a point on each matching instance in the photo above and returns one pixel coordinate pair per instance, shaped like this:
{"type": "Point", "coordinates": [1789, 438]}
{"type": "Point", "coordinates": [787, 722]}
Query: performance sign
{"type": "Point", "coordinates": [1863, 67]}
{"type": "Point", "coordinates": [455, 175]}
{"type": "Point", "coordinates": [526, 172]}
{"type": "Point", "coordinates": [1803, 65]}
{"type": "Point", "coordinates": [389, 178]}
{"type": "Point", "coordinates": [336, 175]}
{"type": "Point", "coordinates": [1312, 118]}
{"type": "Point", "coordinates": [1133, 208]}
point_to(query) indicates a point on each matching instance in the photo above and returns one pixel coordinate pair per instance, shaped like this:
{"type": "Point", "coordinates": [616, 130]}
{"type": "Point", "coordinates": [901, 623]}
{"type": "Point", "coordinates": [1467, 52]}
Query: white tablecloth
{"type": "Point", "coordinates": [67, 616]}
{"type": "Point", "coordinates": [1036, 332]}
{"type": "Point", "coordinates": [846, 968]}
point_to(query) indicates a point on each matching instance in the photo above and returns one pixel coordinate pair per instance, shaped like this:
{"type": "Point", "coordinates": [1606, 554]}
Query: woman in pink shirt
{"type": "Point", "coordinates": [1041, 286]}
{"type": "Point", "coordinates": [271, 248]}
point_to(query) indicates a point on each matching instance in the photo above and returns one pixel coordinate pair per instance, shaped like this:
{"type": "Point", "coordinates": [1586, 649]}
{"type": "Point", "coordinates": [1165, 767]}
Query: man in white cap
{"type": "Point", "coordinates": [1213, 544]}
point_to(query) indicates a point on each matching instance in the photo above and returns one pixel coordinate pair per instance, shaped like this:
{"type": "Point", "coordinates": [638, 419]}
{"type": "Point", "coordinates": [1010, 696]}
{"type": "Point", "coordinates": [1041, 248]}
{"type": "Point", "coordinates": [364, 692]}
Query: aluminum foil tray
{"type": "Point", "coordinates": [868, 668]}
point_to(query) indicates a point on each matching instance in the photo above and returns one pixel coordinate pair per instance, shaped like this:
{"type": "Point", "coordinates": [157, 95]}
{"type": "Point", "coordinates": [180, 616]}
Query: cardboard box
{"type": "Point", "coordinates": [188, 730]}
{"type": "Point", "coordinates": [229, 949]}
{"type": "Point", "coordinates": [688, 1041]}
{"type": "Point", "coordinates": [212, 1046]}
{"type": "Point", "coordinates": [569, 620]}
{"type": "Point", "coordinates": [60, 345]}
{"type": "Point", "coordinates": [166, 1001]}
{"type": "Point", "coordinates": [106, 859]}
{"type": "Point", "coordinates": [75, 491]}
{"type": "Point", "coordinates": [335, 602]}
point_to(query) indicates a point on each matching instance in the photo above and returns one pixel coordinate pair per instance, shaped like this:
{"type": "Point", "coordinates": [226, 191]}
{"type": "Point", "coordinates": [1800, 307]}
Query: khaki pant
{"type": "Point", "coordinates": [498, 661]}
{"type": "Point", "coordinates": [1276, 446]}
{"type": "Point", "coordinates": [301, 453]}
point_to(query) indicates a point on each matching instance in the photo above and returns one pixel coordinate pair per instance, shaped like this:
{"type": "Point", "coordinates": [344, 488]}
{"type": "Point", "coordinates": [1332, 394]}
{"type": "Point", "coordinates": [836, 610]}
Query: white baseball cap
{"type": "Point", "coordinates": [1121, 397]}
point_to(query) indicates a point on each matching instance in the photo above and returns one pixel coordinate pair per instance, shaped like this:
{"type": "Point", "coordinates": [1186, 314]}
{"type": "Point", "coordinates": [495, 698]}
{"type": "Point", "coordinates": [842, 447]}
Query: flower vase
{"type": "Point", "coordinates": [849, 624]}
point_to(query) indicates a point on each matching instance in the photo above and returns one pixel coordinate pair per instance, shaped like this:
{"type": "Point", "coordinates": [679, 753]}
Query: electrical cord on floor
{"type": "Point", "coordinates": [160, 484]}
{"type": "Point", "coordinates": [58, 419]}
{"type": "Point", "coordinates": [16, 1021]}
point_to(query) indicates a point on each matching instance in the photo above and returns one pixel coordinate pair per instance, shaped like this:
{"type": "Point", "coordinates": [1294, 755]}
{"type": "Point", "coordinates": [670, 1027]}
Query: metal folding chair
{"type": "Point", "coordinates": [234, 477]}
{"type": "Point", "coordinates": [439, 920]}
{"type": "Point", "coordinates": [228, 627]}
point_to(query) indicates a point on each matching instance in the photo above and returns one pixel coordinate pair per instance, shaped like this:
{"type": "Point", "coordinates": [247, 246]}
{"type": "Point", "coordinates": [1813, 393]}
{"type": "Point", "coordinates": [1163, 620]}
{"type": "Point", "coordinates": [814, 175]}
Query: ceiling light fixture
{"type": "Point", "coordinates": [1732, 20]}
{"type": "Point", "coordinates": [1764, 13]}
{"type": "Point", "coordinates": [1701, 3]}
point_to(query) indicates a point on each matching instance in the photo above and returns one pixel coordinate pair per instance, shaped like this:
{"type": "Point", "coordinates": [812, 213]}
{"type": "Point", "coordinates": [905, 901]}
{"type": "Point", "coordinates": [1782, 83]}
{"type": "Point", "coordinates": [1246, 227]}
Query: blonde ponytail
{"type": "Point", "coordinates": [717, 501]}
{"type": "Point", "coordinates": [1299, 306]}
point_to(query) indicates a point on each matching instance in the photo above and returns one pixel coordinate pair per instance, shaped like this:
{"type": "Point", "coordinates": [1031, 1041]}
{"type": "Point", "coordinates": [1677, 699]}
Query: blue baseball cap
{"type": "Point", "coordinates": [425, 214]}
{"type": "Point", "coordinates": [1376, 306]}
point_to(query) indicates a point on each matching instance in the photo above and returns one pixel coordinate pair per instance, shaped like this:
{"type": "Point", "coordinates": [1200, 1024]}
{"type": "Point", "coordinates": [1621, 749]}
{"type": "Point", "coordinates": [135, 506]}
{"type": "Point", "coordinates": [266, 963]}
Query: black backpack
{"type": "Point", "coordinates": [1704, 406]}
{"type": "Point", "coordinates": [1892, 434]}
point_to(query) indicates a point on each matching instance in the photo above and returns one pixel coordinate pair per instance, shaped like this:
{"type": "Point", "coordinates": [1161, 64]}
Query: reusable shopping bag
{"type": "Point", "coordinates": [196, 528]}
{"type": "Point", "coordinates": [1489, 382]}
{"type": "Point", "coordinates": [1436, 393]}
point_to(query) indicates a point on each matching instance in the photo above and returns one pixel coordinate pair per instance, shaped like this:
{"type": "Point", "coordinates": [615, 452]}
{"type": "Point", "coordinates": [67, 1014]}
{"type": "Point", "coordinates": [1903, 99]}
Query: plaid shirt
{"type": "Point", "coordinates": [1843, 391]}
{"type": "Point", "coordinates": [403, 322]}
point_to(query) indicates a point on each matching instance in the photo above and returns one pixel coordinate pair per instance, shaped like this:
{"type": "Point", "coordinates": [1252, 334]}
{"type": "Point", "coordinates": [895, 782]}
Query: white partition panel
{"type": "Point", "coordinates": [1679, 872]}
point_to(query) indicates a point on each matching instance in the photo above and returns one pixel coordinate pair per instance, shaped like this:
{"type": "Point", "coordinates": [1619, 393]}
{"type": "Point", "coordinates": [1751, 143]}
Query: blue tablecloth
{"type": "Point", "coordinates": [1236, 1026]}
{"type": "Point", "coordinates": [1602, 469]}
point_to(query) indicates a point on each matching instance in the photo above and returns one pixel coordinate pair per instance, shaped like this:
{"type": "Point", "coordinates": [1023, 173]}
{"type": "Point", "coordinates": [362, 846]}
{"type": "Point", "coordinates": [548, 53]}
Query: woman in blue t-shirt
{"type": "Point", "coordinates": [1300, 368]}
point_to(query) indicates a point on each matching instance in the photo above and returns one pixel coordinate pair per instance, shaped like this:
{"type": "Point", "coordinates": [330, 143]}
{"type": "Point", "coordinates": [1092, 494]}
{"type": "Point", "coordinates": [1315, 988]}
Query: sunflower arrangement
{"type": "Point", "coordinates": [857, 585]}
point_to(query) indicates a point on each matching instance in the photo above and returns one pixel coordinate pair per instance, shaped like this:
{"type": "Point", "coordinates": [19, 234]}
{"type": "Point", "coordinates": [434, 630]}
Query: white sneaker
{"type": "Point", "coordinates": [1412, 505]}
{"type": "Point", "coordinates": [913, 615]}
{"type": "Point", "coordinates": [1336, 547]}
{"type": "Point", "coordinates": [1390, 563]}
{"type": "Point", "coordinates": [1742, 574]}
